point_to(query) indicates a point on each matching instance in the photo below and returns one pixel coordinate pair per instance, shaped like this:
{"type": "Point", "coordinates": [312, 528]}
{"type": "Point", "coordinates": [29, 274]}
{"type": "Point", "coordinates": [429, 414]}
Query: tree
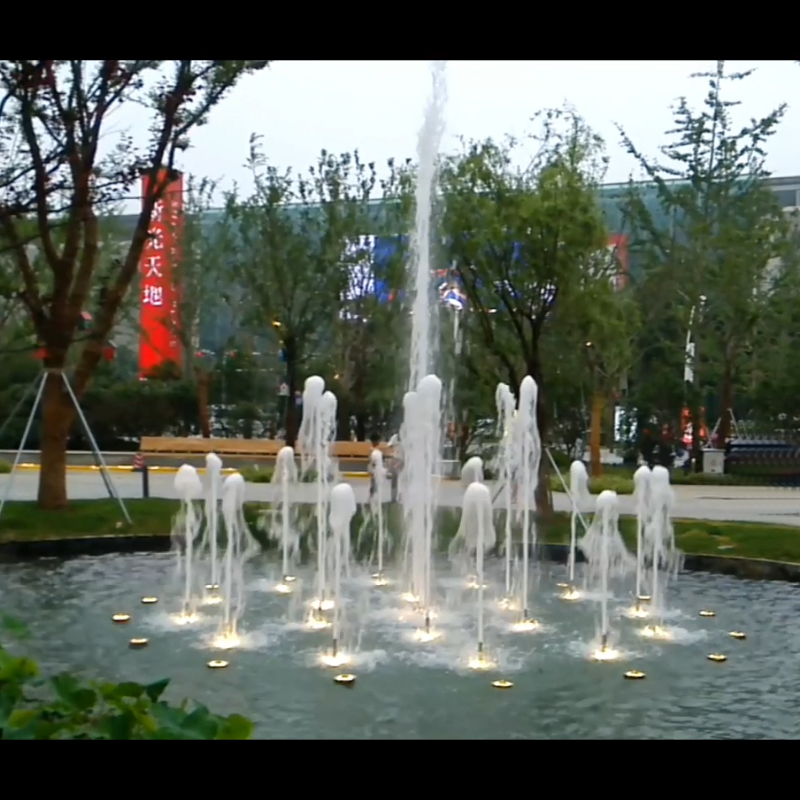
{"type": "Point", "coordinates": [293, 244]}
{"type": "Point", "coordinates": [520, 239]}
{"type": "Point", "coordinates": [725, 231]}
{"type": "Point", "coordinates": [57, 180]}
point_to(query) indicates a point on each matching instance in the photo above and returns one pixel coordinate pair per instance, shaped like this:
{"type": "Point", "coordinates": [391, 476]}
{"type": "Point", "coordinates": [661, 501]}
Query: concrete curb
{"type": "Point", "coordinates": [744, 568]}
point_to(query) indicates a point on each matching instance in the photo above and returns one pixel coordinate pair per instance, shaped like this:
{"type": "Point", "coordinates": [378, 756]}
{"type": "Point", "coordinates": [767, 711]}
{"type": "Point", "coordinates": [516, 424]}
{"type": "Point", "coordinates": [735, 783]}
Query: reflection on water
{"type": "Point", "coordinates": [408, 689]}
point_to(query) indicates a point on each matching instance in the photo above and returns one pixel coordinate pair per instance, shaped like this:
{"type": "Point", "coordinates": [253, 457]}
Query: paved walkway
{"type": "Point", "coordinates": [755, 504]}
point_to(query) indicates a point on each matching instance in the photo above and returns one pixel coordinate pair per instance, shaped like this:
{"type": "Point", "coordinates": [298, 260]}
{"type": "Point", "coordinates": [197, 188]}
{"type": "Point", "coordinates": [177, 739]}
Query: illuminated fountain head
{"type": "Point", "coordinates": [578, 481]}
{"type": "Point", "coordinates": [608, 559]}
{"type": "Point", "coordinates": [283, 528]}
{"type": "Point", "coordinates": [578, 493]}
{"type": "Point", "coordinates": [472, 471]}
{"type": "Point", "coordinates": [185, 532]}
{"type": "Point", "coordinates": [642, 499]}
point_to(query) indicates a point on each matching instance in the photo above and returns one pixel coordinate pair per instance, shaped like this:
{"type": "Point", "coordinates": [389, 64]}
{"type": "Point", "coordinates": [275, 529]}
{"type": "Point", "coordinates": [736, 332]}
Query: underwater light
{"type": "Point", "coordinates": [136, 644]}
{"type": "Point", "coordinates": [634, 675]}
{"type": "Point", "coordinates": [316, 623]}
{"type": "Point", "coordinates": [289, 578]}
{"type": "Point", "coordinates": [379, 579]}
{"type": "Point", "coordinates": [335, 660]}
{"type": "Point", "coordinates": [212, 587]}
{"type": "Point", "coordinates": [185, 619]}
{"type": "Point", "coordinates": [480, 662]}
{"type": "Point", "coordinates": [717, 657]}
{"type": "Point", "coordinates": [121, 618]}
{"type": "Point", "coordinates": [345, 679]}
{"type": "Point", "coordinates": [637, 613]}
{"type": "Point", "coordinates": [508, 604]}
{"type": "Point", "coordinates": [562, 586]}
{"type": "Point", "coordinates": [644, 598]}
{"type": "Point", "coordinates": [427, 635]}
{"type": "Point", "coordinates": [655, 632]}
{"type": "Point", "coordinates": [525, 626]}
{"type": "Point", "coordinates": [226, 641]}
{"type": "Point", "coordinates": [217, 664]}
{"type": "Point", "coordinates": [283, 588]}
{"type": "Point", "coordinates": [738, 635]}
{"type": "Point", "coordinates": [322, 605]}
{"type": "Point", "coordinates": [149, 601]}
{"type": "Point", "coordinates": [502, 684]}
{"type": "Point", "coordinates": [708, 614]}
{"type": "Point", "coordinates": [408, 597]}
{"type": "Point", "coordinates": [571, 594]}
{"type": "Point", "coordinates": [605, 654]}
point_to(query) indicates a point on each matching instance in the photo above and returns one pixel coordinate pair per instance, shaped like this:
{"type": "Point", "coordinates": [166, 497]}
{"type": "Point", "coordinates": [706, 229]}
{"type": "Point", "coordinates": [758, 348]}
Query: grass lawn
{"type": "Point", "coordinates": [24, 521]}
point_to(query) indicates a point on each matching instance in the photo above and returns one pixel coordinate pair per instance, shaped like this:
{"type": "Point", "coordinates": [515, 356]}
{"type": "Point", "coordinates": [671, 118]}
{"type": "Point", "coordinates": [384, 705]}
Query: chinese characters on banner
{"type": "Point", "coordinates": [158, 339]}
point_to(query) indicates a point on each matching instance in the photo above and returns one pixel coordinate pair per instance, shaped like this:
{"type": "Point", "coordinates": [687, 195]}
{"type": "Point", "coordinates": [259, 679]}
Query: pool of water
{"type": "Point", "coordinates": [405, 689]}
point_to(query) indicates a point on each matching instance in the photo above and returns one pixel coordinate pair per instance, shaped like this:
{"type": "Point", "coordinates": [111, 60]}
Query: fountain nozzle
{"type": "Point", "coordinates": [335, 648]}
{"type": "Point", "coordinates": [428, 621]}
{"type": "Point", "coordinates": [604, 642]}
{"type": "Point", "coordinates": [480, 648]}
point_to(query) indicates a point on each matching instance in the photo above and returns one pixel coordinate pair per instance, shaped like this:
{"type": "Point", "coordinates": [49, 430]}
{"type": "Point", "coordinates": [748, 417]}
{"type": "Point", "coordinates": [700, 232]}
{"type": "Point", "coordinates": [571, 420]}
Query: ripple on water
{"type": "Point", "coordinates": [411, 689]}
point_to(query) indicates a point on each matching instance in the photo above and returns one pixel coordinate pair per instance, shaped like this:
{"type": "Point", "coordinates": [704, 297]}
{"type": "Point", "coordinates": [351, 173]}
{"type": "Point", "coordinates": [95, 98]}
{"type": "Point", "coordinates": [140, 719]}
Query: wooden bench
{"type": "Point", "coordinates": [177, 447]}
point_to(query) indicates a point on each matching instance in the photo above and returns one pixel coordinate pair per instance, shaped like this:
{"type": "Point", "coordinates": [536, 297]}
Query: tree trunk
{"type": "Point", "coordinates": [361, 426]}
{"type": "Point", "coordinates": [292, 420]}
{"type": "Point", "coordinates": [343, 421]}
{"type": "Point", "coordinates": [726, 402]}
{"type": "Point", "coordinates": [596, 430]}
{"type": "Point", "coordinates": [58, 414]}
{"type": "Point", "coordinates": [203, 381]}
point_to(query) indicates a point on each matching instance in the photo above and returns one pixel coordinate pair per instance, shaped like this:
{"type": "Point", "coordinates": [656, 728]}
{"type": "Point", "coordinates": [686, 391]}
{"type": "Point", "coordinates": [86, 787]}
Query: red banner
{"type": "Point", "coordinates": [158, 318]}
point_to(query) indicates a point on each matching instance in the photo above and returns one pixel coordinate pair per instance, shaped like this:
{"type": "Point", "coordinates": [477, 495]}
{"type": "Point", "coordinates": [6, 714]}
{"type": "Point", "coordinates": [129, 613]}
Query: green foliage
{"type": "Point", "coordinates": [549, 210]}
{"type": "Point", "coordinates": [5, 467]}
{"type": "Point", "coordinates": [64, 707]}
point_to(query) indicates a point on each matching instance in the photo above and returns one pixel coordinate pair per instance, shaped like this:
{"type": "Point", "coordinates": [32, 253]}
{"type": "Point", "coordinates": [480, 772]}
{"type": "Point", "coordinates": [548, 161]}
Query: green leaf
{"type": "Point", "coordinates": [129, 689]}
{"type": "Point", "coordinates": [14, 627]}
{"type": "Point", "coordinates": [119, 727]}
{"type": "Point", "coordinates": [235, 726]}
{"type": "Point", "coordinates": [16, 670]}
{"type": "Point", "coordinates": [155, 690]}
{"type": "Point", "coordinates": [21, 724]}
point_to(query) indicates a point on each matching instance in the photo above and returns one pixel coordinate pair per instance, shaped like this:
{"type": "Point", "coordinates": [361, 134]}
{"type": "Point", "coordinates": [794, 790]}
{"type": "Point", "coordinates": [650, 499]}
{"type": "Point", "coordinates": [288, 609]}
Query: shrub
{"type": "Point", "coordinates": [616, 483]}
{"type": "Point", "coordinates": [257, 474]}
{"type": "Point", "coordinates": [5, 467]}
{"type": "Point", "coordinates": [71, 709]}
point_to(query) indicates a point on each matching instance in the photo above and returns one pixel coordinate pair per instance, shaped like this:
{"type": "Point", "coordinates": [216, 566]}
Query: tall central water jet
{"type": "Point", "coordinates": [420, 263]}
{"type": "Point", "coordinates": [342, 511]}
{"type": "Point", "coordinates": [376, 501]}
{"type": "Point", "coordinates": [607, 558]}
{"type": "Point", "coordinates": [578, 490]}
{"type": "Point", "coordinates": [507, 462]}
{"type": "Point", "coordinates": [475, 536]}
{"type": "Point", "coordinates": [530, 445]}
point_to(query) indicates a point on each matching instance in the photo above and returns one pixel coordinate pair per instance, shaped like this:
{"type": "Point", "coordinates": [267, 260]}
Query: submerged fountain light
{"type": "Point", "coordinates": [283, 587]}
{"type": "Point", "coordinates": [502, 684]}
{"type": "Point", "coordinates": [149, 601]}
{"type": "Point", "coordinates": [216, 664]}
{"type": "Point", "coordinates": [656, 632]}
{"type": "Point", "coordinates": [345, 679]}
{"type": "Point", "coordinates": [605, 653]}
{"type": "Point", "coordinates": [717, 657]}
{"type": "Point", "coordinates": [228, 640]}
{"type": "Point", "coordinates": [379, 579]}
{"type": "Point", "coordinates": [508, 604]}
{"type": "Point", "coordinates": [316, 622]}
{"type": "Point", "coordinates": [481, 661]}
{"type": "Point", "coordinates": [634, 675]}
{"type": "Point", "coordinates": [644, 598]}
{"type": "Point", "coordinates": [409, 597]}
{"type": "Point", "coordinates": [571, 594]}
{"type": "Point", "coordinates": [525, 626]}
{"type": "Point", "coordinates": [707, 613]}
{"type": "Point", "coordinates": [429, 635]}
{"type": "Point", "coordinates": [322, 605]}
{"type": "Point", "coordinates": [737, 635]}
{"type": "Point", "coordinates": [337, 659]}
{"type": "Point", "coordinates": [637, 612]}
{"type": "Point", "coordinates": [136, 644]}
{"type": "Point", "coordinates": [121, 618]}
{"type": "Point", "coordinates": [185, 618]}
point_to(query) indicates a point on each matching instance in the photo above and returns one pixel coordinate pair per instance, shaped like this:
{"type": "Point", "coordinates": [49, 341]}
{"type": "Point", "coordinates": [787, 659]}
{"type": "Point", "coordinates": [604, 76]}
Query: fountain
{"type": "Point", "coordinates": [214, 472]}
{"type": "Point", "coordinates": [342, 511]}
{"type": "Point", "coordinates": [530, 452]}
{"type": "Point", "coordinates": [317, 431]}
{"type": "Point", "coordinates": [236, 554]}
{"type": "Point", "coordinates": [578, 492]}
{"type": "Point", "coordinates": [475, 536]}
{"type": "Point", "coordinates": [607, 558]}
{"type": "Point", "coordinates": [660, 553]}
{"type": "Point", "coordinates": [285, 476]}
{"type": "Point", "coordinates": [186, 530]}
{"type": "Point", "coordinates": [472, 471]}
{"type": "Point", "coordinates": [506, 466]}
{"type": "Point", "coordinates": [642, 500]}
{"type": "Point", "coordinates": [376, 509]}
